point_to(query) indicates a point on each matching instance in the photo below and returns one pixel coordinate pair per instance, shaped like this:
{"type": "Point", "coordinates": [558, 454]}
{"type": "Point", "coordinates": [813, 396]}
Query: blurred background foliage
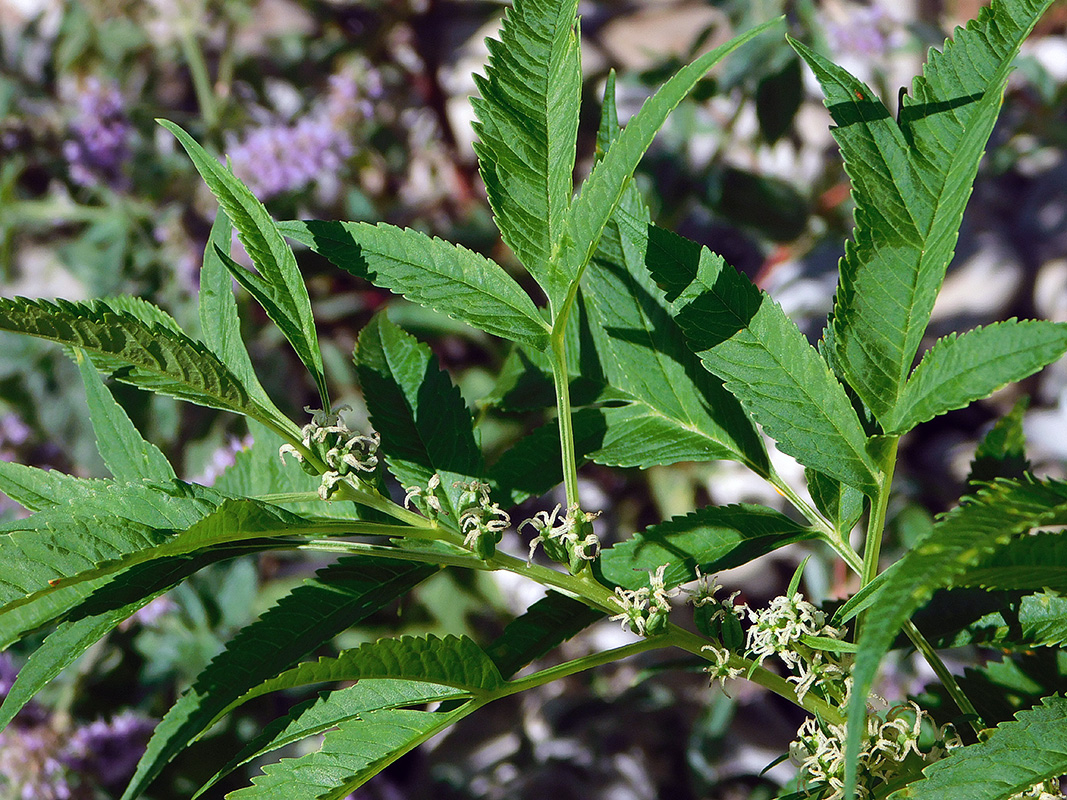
{"type": "Point", "coordinates": [358, 110]}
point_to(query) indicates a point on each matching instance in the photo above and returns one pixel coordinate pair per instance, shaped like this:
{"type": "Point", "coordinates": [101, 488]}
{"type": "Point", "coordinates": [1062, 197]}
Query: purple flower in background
{"type": "Point", "coordinates": [863, 31]}
{"type": "Point", "coordinates": [108, 751]}
{"type": "Point", "coordinates": [285, 157]}
{"type": "Point", "coordinates": [100, 135]}
{"type": "Point", "coordinates": [13, 433]}
{"type": "Point", "coordinates": [222, 459]}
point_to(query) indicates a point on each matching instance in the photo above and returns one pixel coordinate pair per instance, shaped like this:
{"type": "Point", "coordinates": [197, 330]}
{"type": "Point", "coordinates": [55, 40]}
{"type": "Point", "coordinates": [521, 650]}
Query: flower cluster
{"type": "Point", "coordinates": [891, 739]}
{"type": "Point", "coordinates": [344, 451]}
{"type": "Point", "coordinates": [644, 610]}
{"type": "Point", "coordinates": [569, 540]}
{"type": "Point", "coordinates": [721, 620]}
{"type": "Point", "coordinates": [100, 135]}
{"type": "Point", "coordinates": [482, 521]}
{"type": "Point", "coordinates": [782, 628]}
{"type": "Point", "coordinates": [425, 500]}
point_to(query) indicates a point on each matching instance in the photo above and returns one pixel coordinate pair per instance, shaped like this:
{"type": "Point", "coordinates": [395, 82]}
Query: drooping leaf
{"type": "Point", "coordinates": [313, 613]}
{"type": "Point", "coordinates": [959, 370]}
{"type": "Point", "coordinates": [911, 183]}
{"type": "Point", "coordinates": [994, 515]}
{"type": "Point", "coordinates": [1018, 754]}
{"type": "Point", "coordinates": [425, 426]}
{"type": "Point", "coordinates": [527, 127]}
{"type": "Point", "coordinates": [279, 283]}
{"type": "Point", "coordinates": [428, 271]}
{"type": "Point", "coordinates": [155, 358]}
{"type": "Point", "coordinates": [126, 453]}
{"type": "Point", "coordinates": [350, 755]}
{"type": "Point", "coordinates": [103, 603]}
{"type": "Point", "coordinates": [603, 190]}
{"type": "Point", "coordinates": [331, 709]}
{"type": "Point", "coordinates": [220, 325]}
{"type": "Point", "coordinates": [549, 622]}
{"type": "Point", "coordinates": [746, 339]}
{"type": "Point", "coordinates": [711, 538]}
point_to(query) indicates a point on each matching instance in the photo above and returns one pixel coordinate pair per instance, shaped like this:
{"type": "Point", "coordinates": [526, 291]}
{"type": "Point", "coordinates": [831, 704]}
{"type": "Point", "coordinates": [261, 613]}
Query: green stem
{"type": "Point", "coordinates": [581, 664]}
{"type": "Point", "coordinates": [947, 678]}
{"type": "Point", "coordinates": [876, 522]}
{"type": "Point", "coordinates": [694, 644]}
{"type": "Point", "coordinates": [561, 381]}
{"type": "Point", "coordinates": [194, 57]}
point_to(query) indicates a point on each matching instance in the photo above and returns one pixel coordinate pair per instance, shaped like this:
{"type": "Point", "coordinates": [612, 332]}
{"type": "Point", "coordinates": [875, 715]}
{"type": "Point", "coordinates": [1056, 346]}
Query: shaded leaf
{"type": "Point", "coordinates": [425, 426]}
{"type": "Point", "coordinates": [711, 538]}
{"type": "Point", "coordinates": [546, 624]}
{"type": "Point", "coordinates": [746, 339]}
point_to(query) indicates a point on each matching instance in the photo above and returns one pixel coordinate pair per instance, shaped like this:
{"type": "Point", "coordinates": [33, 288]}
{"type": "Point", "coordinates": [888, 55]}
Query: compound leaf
{"type": "Point", "coordinates": [911, 182]}
{"type": "Point", "coordinates": [603, 190]}
{"type": "Point", "coordinates": [958, 539]}
{"type": "Point", "coordinates": [1028, 563]}
{"type": "Point", "coordinates": [745, 338]}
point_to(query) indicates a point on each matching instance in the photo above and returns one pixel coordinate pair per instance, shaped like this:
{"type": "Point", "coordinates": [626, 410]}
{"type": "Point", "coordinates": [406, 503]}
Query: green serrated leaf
{"type": "Point", "coordinates": [331, 709]}
{"type": "Point", "coordinates": [92, 536]}
{"type": "Point", "coordinates": [711, 538]}
{"type": "Point", "coordinates": [527, 127]}
{"type": "Point", "coordinates": [128, 456]}
{"type": "Point", "coordinates": [549, 622]}
{"type": "Point", "coordinates": [959, 538]}
{"type": "Point", "coordinates": [453, 661]}
{"type": "Point", "coordinates": [840, 504]}
{"type": "Point", "coordinates": [956, 371]}
{"type": "Point", "coordinates": [603, 190]}
{"type": "Point", "coordinates": [279, 281]}
{"type": "Point", "coordinates": [337, 597]}
{"type": "Point", "coordinates": [431, 272]}
{"type": "Point", "coordinates": [425, 426]}
{"type": "Point", "coordinates": [350, 755]}
{"type": "Point", "coordinates": [1028, 564]}
{"type": "Point", "coordinates": [911, 183]}
{"type": "Point", "coordinates": [156, 358]}
{"type": "Point", "coordinates": [37, 489]}
{"type": "Point", "coordinates": [220, 325]}
{"type": "Point", "coordinates": [745, 338]}
{"type": "Point", "coordinates": [682, 408]}
{"type": "Point", "coordinates": [1017, 755]}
